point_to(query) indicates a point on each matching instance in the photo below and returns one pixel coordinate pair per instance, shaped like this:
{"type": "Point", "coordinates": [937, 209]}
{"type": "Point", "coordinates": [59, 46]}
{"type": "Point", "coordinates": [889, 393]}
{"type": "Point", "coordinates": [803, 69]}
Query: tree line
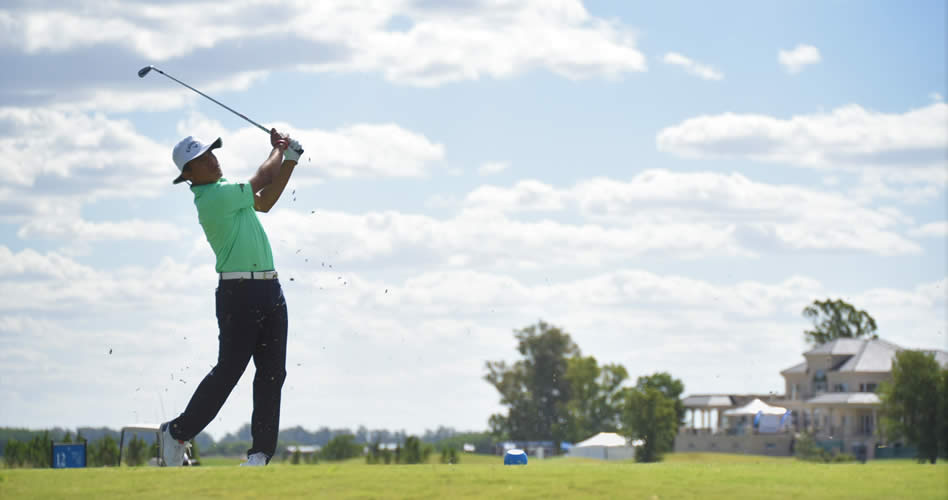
{"type": "Point", "coordinates": [554, 393]}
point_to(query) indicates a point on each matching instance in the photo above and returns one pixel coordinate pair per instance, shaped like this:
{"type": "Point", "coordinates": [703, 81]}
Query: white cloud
{"type": "Point", "coordinates": [77, 229]}
{"type": "Point", "coordinates": [359, 150]}
{"type": "Point", "coordinates": [91, 157]}
{"type": "Point", "coordinates": [493, 167]}
{"type": "Point", "coordinates": [800, 56]}
{"type": "Point", "coordinates": [700, 70]}
{"type": "Point", "coordinates": [441, 43]}
{"type": "Point", "coordinates": [901, 148]}
{"type": "Point", "coordinates": [52, 336]}
{"type": "Point", "coordinates": [931, 230]}
{"type": "Point", "coordinates": [742, 216]}
{"type": "Point", "coordinates": [847, 136]}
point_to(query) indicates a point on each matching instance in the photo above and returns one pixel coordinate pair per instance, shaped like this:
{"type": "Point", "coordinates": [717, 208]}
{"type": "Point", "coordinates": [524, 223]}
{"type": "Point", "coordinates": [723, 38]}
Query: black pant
{"type": "Point", "coordinates": [252, 318]}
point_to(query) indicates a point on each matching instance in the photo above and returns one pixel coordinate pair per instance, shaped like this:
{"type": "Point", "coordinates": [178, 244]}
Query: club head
{"type": "Point", "coordinates": [144, 71]}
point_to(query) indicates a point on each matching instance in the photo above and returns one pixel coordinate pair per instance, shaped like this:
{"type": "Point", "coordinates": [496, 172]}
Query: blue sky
{"type": "Point", "coordinates": [670, 183]}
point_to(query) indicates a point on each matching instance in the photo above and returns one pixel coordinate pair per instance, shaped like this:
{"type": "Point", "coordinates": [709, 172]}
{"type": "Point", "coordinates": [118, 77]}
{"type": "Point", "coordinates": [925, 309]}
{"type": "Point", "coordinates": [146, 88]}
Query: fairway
{"type": "Point", "coordinates": [702, 476]}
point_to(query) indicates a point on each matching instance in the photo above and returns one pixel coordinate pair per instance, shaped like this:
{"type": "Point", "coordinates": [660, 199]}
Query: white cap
{"type": "Point", "coordinates": [188, 149]}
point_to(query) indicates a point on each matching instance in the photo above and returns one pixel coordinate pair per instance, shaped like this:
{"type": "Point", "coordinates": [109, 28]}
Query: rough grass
{"type": "Point", "coordinates": [692, 475]}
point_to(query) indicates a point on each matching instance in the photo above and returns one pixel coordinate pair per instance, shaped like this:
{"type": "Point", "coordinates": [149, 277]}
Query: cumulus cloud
{"type": "Point", "coordinates": [754, 216]}
{"type": "Point", "coordinates": [931, 230]}
{"type": "Point", "coordinates": [702, 71]}
{"type": "Point", "coordinates": [90, 157]}
{"type": "Point", "coordinates": [361, 150]}
{"type": "Point", "coordinates": [78, 229]}
{"type": "Point", "coordinates": [884, 148]}
{"type": "Point", "coordinates": [796, 59]}
{"type": "Point", "coordinates": [642, 319]}
{"type": "Point", "coordinates": [432, 44]}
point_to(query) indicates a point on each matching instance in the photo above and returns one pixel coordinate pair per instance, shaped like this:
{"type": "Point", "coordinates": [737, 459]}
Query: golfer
{"type": "Point", "coordinates": [251, 310]}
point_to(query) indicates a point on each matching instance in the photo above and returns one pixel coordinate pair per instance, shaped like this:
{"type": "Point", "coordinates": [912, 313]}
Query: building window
{"type": "Point", "coordinates": [819, 381]}
{"type": "Point", "coordinates": [840, 387]}
{"type": "Point", "coordinates": [867, 387]}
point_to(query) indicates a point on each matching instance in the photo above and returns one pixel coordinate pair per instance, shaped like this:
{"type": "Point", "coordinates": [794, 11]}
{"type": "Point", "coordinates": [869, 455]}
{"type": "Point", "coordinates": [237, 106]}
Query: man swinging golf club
{"type": "Point", "coordinates": [251, 310]}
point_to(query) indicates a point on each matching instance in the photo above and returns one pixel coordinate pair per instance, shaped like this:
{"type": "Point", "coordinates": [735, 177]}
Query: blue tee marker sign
{"type": "Point", "coordinates": [68, 455]}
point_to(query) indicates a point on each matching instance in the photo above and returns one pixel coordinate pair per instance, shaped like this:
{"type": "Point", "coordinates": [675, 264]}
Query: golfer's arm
{"type": "Point", "coordinates": [267, 172]}
{"type": "Point", "coordinates": [268, 196]}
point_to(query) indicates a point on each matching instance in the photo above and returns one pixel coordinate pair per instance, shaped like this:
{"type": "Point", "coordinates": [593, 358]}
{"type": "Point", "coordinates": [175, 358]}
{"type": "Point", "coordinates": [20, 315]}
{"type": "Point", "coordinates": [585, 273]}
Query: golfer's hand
{"type": "Point", "coordinates": [293, 152]}
{"type": "Point", "coordinates": [279, 140]}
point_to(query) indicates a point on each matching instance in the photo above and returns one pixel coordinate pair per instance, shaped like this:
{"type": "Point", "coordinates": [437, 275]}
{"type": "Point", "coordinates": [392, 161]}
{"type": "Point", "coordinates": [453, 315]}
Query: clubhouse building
{"type": "Point", "coordinates": [832, 394]}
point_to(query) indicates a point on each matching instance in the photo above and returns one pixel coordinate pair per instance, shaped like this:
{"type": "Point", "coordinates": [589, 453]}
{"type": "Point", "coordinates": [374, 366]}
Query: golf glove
{"type": "Point", "coordinates": [293, 152]}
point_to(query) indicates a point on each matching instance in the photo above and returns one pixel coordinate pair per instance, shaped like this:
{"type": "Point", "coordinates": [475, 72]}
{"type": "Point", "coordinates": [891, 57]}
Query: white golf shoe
{"type": "Point", "coordinates": [258, 459]}
{"type": "Point", "coordinates": [173, 452]}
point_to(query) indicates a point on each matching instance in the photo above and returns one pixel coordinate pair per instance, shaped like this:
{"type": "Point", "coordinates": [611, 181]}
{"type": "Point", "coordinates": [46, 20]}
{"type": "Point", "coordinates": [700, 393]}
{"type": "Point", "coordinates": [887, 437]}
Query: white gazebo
{"type": "Point", "coordinates": [605, 446]}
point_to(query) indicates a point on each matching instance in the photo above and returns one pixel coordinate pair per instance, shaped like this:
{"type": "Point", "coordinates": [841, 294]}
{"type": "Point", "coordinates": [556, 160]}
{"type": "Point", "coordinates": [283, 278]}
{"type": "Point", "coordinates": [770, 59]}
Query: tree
{"type": "Point", "coordinates": [910, 402]}
{"type": "Point", "coordinates": [535, 389]}
{"type": "Point", "coordinates": [135, 452]}
{"type": "Point", "coordinates": [341, 448]}
{"type": "Point", "coordinates": [104, 452]}
{"type": "Point", "coordinates": [835, 319]}
{"type": "Point", "coordinates": [669, 386]}
{"type": "Point", "coordinates": [943, 412]}
{"type": "Point", "coordinates": [652, 414]}
{"type": "Point", "coordinates": [597, 397]}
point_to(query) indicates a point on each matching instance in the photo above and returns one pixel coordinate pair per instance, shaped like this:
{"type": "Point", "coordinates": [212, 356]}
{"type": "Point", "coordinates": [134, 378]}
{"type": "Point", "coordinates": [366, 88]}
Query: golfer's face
{"type": "Point", "coordinates": [205, 168]}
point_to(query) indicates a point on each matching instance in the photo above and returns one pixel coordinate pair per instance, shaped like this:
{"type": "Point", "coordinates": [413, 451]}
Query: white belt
{"type": "Point", "coordinates": [249, 275]}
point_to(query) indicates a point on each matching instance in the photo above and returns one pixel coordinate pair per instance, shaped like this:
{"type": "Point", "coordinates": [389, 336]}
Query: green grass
{"type": "Point", "coordinates": [693, 475]}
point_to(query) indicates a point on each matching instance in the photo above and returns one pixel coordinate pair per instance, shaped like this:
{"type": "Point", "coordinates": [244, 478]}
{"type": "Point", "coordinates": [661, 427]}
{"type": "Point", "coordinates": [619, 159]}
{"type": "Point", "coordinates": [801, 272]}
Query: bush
{"type": "Point", "coordinates": [450, 455]}
{"type": "Point", "coordinates": [808, 450]}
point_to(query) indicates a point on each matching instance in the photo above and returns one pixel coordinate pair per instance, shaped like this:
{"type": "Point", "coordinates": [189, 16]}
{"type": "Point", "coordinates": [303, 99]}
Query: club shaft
{"type": "Point", "coordinates": [261, 127]}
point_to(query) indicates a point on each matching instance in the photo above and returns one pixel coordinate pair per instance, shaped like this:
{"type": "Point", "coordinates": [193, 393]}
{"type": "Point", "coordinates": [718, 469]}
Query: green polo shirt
{"type": "Point", "coordinates": [225, 211]}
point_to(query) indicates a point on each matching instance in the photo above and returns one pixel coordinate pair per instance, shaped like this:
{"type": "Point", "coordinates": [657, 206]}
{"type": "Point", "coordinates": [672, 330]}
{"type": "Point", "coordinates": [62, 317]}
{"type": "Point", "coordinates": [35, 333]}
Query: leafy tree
{"type": "Point", "coordinates": [667, 385]}
{"type": "Point", "coordinates": [910, 402]}
{"type": "Point", "coordinates": [135, 452]}
{"type": "Point", "coordinates": [104, 452]}
{"type": "Point", "coordinates": [650, 416]}
{"type": "Point", "coordinates": [943, 412]}
{"type": "Point", "coordinates": [596, 397]}
{"type": "Point", "coordinates": [13, 453]}
{"type": "Point", "coordinates": [341, 448]}
{"type": "Point", "coordinates": [67, 438]}
{"type": "Point", "coordinates": [535, 389]}
{"type": "Point", "coordinates": [836, 319]}
{"type": "Point", "coordinates": [412, 452]}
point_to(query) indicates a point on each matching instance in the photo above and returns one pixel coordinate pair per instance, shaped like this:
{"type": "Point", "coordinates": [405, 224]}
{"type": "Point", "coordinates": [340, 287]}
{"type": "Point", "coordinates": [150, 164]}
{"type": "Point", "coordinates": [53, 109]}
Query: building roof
{"type": "Point", "coordinates": [838, 347]}
{"type": "Point", "coordinates": [707, 401]}
{"type": "Point", "coordinates": [799, 368]}
{"type": "Point", "coordinates": [873, 356]}
{"type": "Point", "coordinates": [846, 398]}
{"type": "Point", "coordinates": [862, 356]}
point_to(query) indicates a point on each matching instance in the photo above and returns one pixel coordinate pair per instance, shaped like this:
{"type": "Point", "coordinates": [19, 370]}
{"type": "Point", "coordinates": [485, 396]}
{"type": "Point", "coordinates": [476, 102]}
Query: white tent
{"type": "Point", "coordinates": [604, 446]}
{"type": "Point", "coordinates": [753, 408]}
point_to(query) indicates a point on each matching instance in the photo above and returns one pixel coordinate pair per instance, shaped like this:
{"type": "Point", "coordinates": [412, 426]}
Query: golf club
{"type": "Point", "coordinates": [144, 71]}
